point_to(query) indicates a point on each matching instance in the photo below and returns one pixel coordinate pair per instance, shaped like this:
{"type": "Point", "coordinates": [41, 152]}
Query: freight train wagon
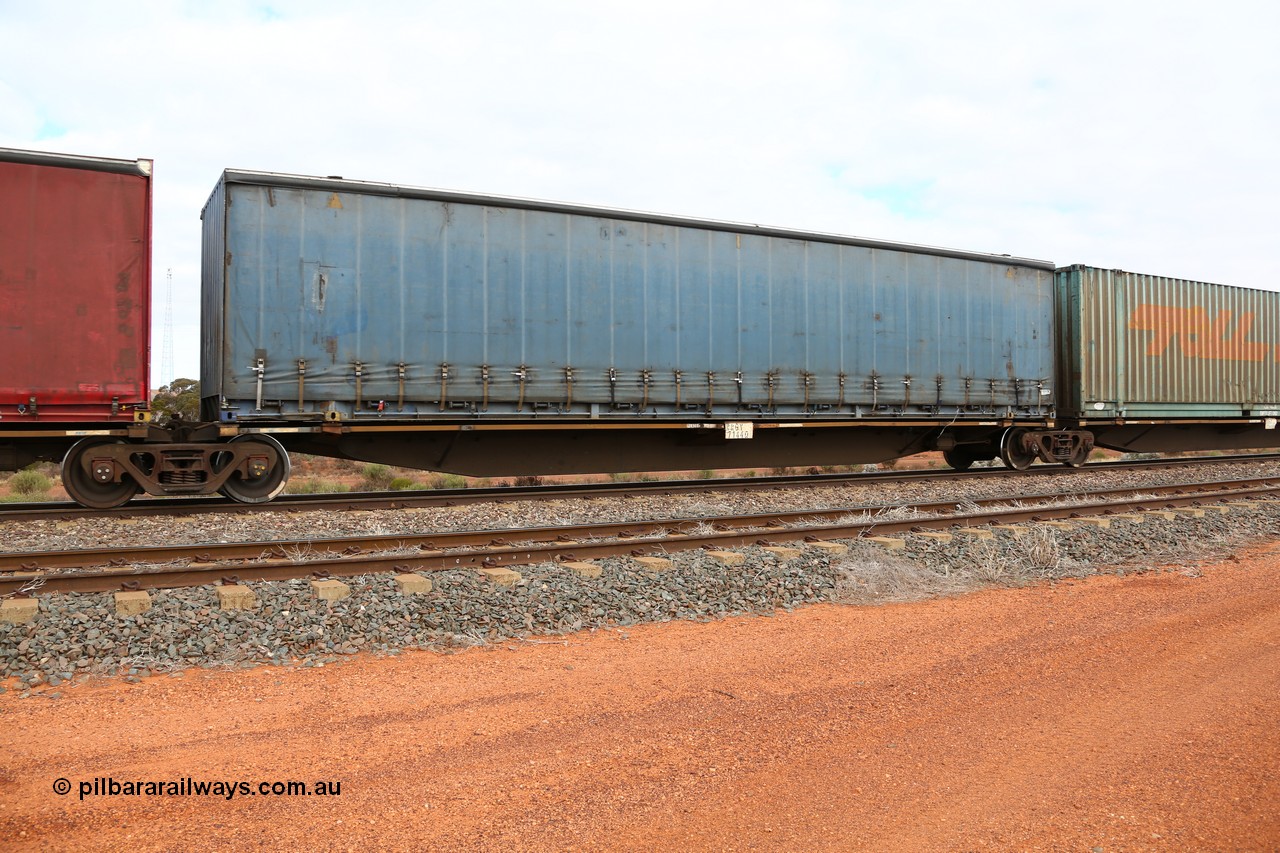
{"type": "Point", "coordinates": [75, 310]}
{"type": "Point", "coordinates": [488, 335]}
{"type": "Point", "coordinates": [496, 336]}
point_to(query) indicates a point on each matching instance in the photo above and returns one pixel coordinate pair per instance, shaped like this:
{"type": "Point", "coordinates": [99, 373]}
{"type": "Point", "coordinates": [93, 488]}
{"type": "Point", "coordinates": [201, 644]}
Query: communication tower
{"type": "Point", "coordinates": [166, 376]}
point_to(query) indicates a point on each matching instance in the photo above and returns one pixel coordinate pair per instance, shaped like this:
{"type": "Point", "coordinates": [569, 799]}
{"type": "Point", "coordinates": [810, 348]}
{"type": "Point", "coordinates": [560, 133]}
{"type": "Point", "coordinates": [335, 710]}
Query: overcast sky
{"type": "Point", "coordinates": [1138, 135]}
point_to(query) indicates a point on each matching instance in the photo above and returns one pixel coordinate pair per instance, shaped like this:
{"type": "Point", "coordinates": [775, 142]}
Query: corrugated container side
{"type": "Point", "coordinates": [1142, 345]}
{"type": "Point", "coordinates": [394, 302]}
{"type": "Point", "coordinates": [75, 286]}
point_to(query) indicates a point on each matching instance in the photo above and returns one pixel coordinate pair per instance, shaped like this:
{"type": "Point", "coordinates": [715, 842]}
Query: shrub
{"type": "Point", "coordinates": [706, 474]}
{"type": "Point", "coordinates": [376, 477]}
{"type": "Point", "coordinates": [399, 484]}
{"type": "Point", "coordinates": [448, 481]}
{"type": "Point", "coordinates": [29, 483]}
{"type": "Point", "coordinates": [314, 487]}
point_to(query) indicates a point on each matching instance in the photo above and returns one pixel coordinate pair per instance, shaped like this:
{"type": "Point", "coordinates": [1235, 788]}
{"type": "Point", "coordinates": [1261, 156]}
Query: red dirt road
{"type": "Point", "coordinates": [1135, 713]}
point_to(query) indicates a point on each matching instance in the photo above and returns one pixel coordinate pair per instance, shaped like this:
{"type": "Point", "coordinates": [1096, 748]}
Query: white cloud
{"type": "Point", "coordinates": [1120, 134]}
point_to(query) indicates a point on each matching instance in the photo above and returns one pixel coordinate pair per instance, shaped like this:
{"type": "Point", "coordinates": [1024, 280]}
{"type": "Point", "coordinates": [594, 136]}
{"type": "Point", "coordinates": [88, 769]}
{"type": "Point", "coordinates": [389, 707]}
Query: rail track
{"type": "Point", "coordinates": [355, 501]}
{"type": "Point", "coordinates": [256, 561]}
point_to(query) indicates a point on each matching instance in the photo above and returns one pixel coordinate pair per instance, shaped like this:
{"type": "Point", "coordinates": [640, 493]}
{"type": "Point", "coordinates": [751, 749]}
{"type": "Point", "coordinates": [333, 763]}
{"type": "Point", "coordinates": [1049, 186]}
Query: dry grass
{"type": "Point", "coordinates": [1040, 548]}
{"type": "Point", "coordinates": [294, 553]}
{"type": "Point", "coordinates": [870, 574]}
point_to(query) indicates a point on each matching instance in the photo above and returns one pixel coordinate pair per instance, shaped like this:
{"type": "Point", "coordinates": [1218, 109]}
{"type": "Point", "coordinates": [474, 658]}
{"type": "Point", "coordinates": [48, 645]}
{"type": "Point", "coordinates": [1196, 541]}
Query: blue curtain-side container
{"type": "Point", "coordinates": [329, 297]}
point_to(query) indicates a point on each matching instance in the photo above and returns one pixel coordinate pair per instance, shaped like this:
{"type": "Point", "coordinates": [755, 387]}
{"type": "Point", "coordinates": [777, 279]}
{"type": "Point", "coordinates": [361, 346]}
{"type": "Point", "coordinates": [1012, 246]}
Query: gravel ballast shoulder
{"type": "Point", "coordinates": [78, 636]}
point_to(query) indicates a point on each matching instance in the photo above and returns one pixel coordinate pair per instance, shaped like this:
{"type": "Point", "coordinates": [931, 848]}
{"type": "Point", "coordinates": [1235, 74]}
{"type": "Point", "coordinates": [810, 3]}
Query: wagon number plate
{"type": "Point", "coordinates": [739, 429]}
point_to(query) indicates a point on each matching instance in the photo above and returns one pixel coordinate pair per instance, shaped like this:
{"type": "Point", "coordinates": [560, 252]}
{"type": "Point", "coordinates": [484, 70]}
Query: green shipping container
{"type": "Point", "coordinates": [1142, 346]}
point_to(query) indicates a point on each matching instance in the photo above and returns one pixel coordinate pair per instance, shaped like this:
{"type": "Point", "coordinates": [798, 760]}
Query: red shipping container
{"type": "Point", "coordinates": [75, 287]}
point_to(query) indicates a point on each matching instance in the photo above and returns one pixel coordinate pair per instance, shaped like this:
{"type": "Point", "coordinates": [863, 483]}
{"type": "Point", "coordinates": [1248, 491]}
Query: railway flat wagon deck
{"type": "Point", "coordinates": [489, 335]}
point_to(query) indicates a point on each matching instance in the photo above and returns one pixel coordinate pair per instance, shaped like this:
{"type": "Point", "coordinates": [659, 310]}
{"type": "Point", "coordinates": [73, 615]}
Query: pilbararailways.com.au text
{"type": "Point", "coordinates": [188, 787]}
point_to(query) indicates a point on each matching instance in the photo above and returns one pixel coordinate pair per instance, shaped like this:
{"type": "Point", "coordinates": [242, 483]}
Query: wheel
{"type": "Point", "coordinates": [1011, 452]}
{"type": "Point", "coordinates": [81, 485]}
{"type": "Point", "coordinates": [260, 489]}
{"type": "Point", "coordinates": [959, 459]}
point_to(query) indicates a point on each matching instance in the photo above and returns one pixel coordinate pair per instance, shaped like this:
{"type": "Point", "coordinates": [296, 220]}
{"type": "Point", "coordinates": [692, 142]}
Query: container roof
{"type": "Point", "coordinates": [343, 185]}
{"type": "Point", "coordinates": [75, 161]}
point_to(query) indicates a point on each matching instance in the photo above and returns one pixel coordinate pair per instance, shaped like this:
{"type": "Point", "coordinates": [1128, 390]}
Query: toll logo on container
{"type": "Point", "coordinates": [1198, 335]}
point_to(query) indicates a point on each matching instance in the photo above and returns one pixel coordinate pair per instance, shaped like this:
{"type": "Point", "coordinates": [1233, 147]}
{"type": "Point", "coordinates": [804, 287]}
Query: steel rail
{"type": "Point", "coordinates": [514, 555]}
{"type": "Point", "coordinates": [360, 501]}
{"type": "Point", "coordinates": [211, 552]}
